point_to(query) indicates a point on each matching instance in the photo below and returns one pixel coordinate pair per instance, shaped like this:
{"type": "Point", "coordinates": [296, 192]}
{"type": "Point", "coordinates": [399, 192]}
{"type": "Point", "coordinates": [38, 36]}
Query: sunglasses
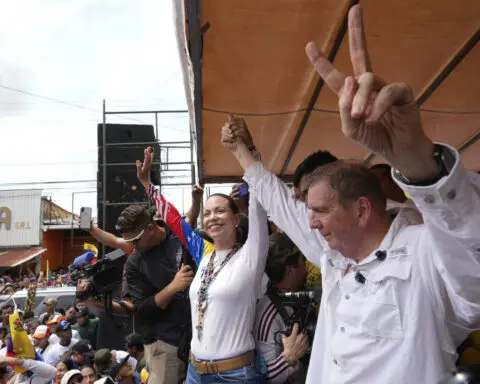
{"type": "Point", "coordinates": [136, 238]}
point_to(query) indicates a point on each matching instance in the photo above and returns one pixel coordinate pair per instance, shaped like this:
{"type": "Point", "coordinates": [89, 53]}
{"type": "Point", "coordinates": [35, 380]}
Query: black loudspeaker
{"type": "Point", "coordinates": [125, 145]}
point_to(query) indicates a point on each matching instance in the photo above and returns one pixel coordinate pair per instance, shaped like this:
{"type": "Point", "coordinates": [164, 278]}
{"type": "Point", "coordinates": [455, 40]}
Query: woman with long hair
{"type": "Point", "coordinates": [225, 288]}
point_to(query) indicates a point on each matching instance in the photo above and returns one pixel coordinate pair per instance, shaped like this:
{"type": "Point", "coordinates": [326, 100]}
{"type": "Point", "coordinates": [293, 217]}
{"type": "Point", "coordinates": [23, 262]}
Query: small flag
{"type": "Point", "coordinates": [91, 247]}
{"type": "Point", "coordinates": [19, 344]}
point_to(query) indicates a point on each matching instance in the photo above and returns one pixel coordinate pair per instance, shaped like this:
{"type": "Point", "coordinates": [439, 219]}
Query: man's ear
{"type": "Point", "coordinates": [362, 211]}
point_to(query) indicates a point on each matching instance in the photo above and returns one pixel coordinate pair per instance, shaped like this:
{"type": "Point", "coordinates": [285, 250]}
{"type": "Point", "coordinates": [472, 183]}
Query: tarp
{"type": "Point", "coordinates": [248, 58]}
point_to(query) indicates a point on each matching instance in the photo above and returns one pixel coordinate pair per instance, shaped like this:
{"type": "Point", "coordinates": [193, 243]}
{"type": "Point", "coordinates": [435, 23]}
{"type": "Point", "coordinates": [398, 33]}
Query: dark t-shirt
{"type": "Point", "coordinates": [88, 331]}
{"type": "Point", "coordinates": [147, 274]}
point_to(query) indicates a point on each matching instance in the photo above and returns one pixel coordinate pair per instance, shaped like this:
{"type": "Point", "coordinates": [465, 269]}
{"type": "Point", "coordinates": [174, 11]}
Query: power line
{"type": "Point", "coordinates": [67, 103]}
{"type": "Point", "coordinates": [49, 182]}
{"type": "Point", "coordinates": [332, 111]}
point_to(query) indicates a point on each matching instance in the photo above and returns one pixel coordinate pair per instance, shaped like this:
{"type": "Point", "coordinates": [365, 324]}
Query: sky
{"type": "Point", "coordinates": [58, 60]}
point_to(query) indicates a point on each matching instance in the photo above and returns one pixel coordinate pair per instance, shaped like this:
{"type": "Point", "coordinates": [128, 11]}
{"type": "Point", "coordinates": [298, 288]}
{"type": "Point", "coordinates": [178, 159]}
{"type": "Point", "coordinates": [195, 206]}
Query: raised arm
{"type": "Point", "coordinates": [39, 368]}
{"type": "Point", "coordinates": [384, 118]}
{"type": "Point", "coordinates": [274, 196]}
{"type": "Point", "coordinates": [109, 239]}
{"type": "Point", "coordinates": [451, 211]}
{"type": "Point", "coordinates": [196, 245]}
{"type": "Point", "coordinates": [194, 211]}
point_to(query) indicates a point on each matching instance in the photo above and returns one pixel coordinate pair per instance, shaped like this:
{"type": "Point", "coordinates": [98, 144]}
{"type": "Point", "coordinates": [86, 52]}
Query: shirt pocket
{"type": "Point", "coordinates": [382, 315]}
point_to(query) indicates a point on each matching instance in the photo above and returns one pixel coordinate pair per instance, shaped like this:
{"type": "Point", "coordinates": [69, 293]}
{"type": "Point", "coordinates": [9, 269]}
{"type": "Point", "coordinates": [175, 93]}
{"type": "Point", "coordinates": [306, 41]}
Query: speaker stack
{"type": "Point", "coordinates": [125, 144]}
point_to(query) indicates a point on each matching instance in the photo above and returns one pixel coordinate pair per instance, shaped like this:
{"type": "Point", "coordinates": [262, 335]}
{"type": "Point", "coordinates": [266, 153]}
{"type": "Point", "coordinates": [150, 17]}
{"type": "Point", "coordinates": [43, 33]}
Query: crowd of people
{"type": "Point", "coordinates": [14, 282]}
{"type": "Point", "coordinates": [66, 353]}
{"type": "Point", "coordinates": [394, 252]}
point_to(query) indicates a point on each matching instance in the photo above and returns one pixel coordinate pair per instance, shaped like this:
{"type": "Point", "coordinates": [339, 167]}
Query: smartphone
{"type": "Point", "coordinates": [85, 217]}
{"type": "Point", "coordinates": [242, 190]}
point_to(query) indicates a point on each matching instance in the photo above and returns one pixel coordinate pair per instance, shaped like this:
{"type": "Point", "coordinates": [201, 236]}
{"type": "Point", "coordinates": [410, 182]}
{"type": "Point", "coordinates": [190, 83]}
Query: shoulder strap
{"type": "Point", "coordinates": [273, 296]}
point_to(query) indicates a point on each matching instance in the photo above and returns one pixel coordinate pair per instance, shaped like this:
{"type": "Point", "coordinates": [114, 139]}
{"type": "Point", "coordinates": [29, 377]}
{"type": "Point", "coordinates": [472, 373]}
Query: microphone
{"type": "Point", "coordinates": [360, 278]}
{"type": "Point", "coordinates": [83, 260]}
{"type": "Point", "coordinates": [381, 255]}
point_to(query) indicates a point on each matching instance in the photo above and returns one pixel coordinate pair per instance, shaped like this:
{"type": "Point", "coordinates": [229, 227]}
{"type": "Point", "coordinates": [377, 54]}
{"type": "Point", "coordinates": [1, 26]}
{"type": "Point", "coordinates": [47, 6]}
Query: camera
{"type": "Point", "coordinates": [304, 310]}
{"type": "Point", "coordinates": [104, 275]}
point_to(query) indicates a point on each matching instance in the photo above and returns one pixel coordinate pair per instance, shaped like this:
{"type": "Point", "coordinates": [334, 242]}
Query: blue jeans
{"type": "Point", "coordinates": [247, 375]}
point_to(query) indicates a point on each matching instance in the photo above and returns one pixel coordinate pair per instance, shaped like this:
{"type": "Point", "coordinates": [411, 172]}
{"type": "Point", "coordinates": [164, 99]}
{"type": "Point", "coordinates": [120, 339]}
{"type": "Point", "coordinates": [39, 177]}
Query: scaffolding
{"type": "Point", "coordinates": [170, 171]}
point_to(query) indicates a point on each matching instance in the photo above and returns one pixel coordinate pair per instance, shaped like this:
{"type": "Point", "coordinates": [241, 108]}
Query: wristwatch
{"type": "Point", "coordinates": [444, 160]}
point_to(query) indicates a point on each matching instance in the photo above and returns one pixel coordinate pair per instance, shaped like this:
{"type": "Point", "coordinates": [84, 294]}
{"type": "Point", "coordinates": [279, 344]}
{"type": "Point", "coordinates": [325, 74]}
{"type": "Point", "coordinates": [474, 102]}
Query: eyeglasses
{"type": "Point", "coordinates": [136, 238]}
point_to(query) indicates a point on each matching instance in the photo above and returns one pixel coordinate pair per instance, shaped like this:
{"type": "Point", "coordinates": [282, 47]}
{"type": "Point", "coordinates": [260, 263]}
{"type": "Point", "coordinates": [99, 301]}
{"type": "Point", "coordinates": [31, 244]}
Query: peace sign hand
{"type": "Point", "coordinates": [381, 116]}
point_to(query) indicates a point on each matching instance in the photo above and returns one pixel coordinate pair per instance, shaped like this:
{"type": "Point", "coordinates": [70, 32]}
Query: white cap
{"type": "Point", "coordinates": [40, 332]}
{"type": "Point", "coordinates": [69, 375]}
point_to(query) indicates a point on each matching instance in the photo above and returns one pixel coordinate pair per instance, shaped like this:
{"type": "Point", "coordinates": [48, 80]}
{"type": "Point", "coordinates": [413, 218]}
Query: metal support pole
{"type": "Point", "coordinates": [71, 227]}
{"type": "Point", "coordinates": [156, 127]}
{"type": "Point", "coordinates": [104, 172]}
{"type": "Point", "coordinates": [191, 159]}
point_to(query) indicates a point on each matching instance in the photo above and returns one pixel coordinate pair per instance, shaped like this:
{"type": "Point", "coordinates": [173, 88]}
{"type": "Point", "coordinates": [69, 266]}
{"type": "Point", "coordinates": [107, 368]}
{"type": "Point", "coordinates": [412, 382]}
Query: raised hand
{"type": "Point", "coordinates": [381, 116]}
{"type": "Point", "coordinates": [197, 193]}
{"type": "Point", "coordinates": [235, 131]}
{"type": "Point", "coordinates": [143, 169]}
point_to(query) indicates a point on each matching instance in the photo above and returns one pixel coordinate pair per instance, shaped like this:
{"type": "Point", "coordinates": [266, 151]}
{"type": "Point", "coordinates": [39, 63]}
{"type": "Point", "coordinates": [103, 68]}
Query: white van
{"type": "Point", "coordinates": [65, 298]}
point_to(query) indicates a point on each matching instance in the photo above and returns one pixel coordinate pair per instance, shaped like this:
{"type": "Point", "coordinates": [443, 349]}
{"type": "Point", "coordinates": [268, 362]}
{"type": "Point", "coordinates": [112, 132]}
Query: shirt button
{"type": "Point", "coordinates": [451, 194]}
{"type": "Point", "coordinates": [347, 297]}
{"type": "Point", "coordinates": [429, 199]}
{"type": "Point", "coordinates": [342, 329]}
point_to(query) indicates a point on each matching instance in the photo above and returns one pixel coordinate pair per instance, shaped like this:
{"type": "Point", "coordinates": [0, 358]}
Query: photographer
{"type": "Point", "coordinates": [113, 324]}
{"type": "Point", "coordinates": [156, 281]}
{"type": "Point", "coordinates": [281, 345]}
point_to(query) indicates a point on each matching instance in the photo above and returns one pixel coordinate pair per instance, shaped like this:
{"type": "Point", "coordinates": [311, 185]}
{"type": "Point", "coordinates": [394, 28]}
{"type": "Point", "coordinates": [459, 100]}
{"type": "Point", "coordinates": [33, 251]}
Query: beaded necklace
{"type": "Point", "coordinates": [207, 278]}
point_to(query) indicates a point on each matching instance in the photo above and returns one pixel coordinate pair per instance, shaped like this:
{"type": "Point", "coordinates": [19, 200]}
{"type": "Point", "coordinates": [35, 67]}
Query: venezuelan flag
{"type": "Point", "coordinates": [197, 246]}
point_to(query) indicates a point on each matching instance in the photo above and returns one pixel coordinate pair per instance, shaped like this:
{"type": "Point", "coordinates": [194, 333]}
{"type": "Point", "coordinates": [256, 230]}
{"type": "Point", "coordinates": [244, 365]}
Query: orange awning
{"type": "Point", "coordinates": [14, 257]}
{"type": "Point", "coordinates": [248, 58]}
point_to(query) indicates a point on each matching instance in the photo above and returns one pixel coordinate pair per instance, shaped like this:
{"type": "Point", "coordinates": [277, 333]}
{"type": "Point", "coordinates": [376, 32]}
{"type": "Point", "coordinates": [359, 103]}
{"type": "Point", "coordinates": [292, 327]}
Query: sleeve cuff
{"type": "Point", "coordinates": [447, 191]}
{"type": "Point", "coordinates": [147, 306]}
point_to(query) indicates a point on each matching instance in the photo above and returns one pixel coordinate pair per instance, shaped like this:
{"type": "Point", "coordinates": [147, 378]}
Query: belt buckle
{"type": "Point", "coordinates": [213, 367]}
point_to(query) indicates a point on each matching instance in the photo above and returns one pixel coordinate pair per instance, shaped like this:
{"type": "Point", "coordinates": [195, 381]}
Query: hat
{"type": "Point", "coordinates": [117, 366]}
{"type": "Point", "coordinates": [83, 312]}
{"type": "Point", "coordinates": [62, 326]}
{"type": "Point", "coordinates": [83, 348]}
{"type": "Point", "coordinates": [40, 332]}
{"type": "Point", "coordinates": [66, 378]}
{"type": "Point", "coordinates": [102, 360]}
{"type": "Point", "coordinates": [50, 300]}
{"type": "Point", "coordinates": [55, 320]}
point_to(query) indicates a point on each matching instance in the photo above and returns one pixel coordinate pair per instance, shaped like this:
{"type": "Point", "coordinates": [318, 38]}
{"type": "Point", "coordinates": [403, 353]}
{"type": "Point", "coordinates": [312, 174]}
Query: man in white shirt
{"type": "Point", "coordinates": [397, 298]}
{"type": "Point", "coordinates": [57, 351]}
{"type": "Point", "coordinates": [40, 340]}
{"type": "Point", "coordinates": [52, 325]}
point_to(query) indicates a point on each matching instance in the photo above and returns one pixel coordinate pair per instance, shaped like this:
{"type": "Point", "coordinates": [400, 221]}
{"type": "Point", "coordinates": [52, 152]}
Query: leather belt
{"type": "Point", "coordinates": [220, 366]}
